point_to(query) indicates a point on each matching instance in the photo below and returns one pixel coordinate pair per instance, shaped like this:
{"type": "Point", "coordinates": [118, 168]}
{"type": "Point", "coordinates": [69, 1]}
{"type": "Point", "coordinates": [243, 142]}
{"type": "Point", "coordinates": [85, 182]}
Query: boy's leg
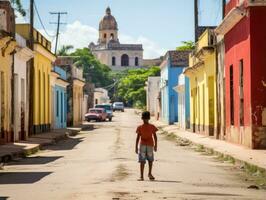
{"type": "Point", "coordinates": [142, 165]}
{"type": "Point", "coordinates": [150, 167]}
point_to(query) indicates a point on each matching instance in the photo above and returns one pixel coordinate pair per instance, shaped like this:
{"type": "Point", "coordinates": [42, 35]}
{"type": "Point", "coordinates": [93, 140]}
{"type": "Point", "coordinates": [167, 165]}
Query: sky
{"type": "Point", "coordinates": [160, 25]}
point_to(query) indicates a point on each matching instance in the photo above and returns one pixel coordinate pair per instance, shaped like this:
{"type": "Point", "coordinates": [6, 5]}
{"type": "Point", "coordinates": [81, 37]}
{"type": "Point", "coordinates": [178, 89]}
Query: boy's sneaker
{"type": "Point", "coordinates": [151, 177]}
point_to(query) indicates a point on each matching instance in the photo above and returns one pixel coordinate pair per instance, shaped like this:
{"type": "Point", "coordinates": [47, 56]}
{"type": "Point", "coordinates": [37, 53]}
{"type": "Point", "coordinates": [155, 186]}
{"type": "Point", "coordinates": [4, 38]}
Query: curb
{"type": "Point", "coordinates": [30, 151]}
{"type": "Point", "coordinates": [246, 166]}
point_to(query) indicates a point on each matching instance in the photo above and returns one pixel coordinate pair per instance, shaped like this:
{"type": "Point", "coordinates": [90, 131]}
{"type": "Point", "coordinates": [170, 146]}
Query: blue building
{"type": "Point", "coordinates": [59, 97]}
{"type": "Point", "coordinates": [172, 66]}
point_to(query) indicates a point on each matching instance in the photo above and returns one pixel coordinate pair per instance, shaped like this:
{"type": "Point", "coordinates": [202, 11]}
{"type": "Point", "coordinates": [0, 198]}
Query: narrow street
{"type": "Point", "coordinates": [101, 164]}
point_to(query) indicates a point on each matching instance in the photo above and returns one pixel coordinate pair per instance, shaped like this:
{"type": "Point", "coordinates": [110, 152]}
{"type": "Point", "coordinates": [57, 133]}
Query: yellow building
{"type": "Point", "coordinates": [202, 75]}
{"type": "Point", "coordinates": [7, 47]}
{"type": "Point", "coordinates": [43, 59]}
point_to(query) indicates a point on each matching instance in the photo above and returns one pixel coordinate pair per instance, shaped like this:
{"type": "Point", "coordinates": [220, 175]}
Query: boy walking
{"type": "Point", "coordinates": [146, 135]}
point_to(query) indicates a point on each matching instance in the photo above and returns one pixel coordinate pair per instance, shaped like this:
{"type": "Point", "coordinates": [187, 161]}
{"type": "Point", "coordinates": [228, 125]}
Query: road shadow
{"type": "Point", "coordinates": [22, 177]}
{"type": "Point", "coordinates": [167, 181]}
{"type": "Point", "coordinates": [67, 144]}
{"type": "Point", "coordinates": [36, 160]}
{"type": "Point", "coordinates": [3, 198]}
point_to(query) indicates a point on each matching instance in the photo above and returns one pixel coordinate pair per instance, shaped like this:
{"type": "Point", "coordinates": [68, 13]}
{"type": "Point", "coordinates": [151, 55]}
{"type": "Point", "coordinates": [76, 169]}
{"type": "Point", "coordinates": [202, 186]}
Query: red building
{"type": "Point", "coordinates": [244, 31]}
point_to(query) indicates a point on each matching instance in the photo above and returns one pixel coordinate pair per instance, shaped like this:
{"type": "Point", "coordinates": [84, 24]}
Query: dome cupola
{"type": "Point", "coordinates": [108, 22]}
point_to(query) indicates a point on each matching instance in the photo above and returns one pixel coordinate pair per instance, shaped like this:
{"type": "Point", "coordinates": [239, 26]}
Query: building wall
{"type": "Point", "coordinates": [101, 96]}
{"type": "Point", "coordinates": [105, 57]}
{"type": "Point", "coordinates": [237, 47]}
{"type": "Point", "coordinates": [202, 75]}
{"type": "Point", "coordinates": [77, 102]}
{"type": "Point", "coordinates": [187, 102]}
{"type": "Point", "coordinates": [42, 99]}
{"type": "Point", "coordinates": [21, 103]}
{"type": "Point", "coordinates": [5, 90]}
{"type": "Point", "coordinates": [153, 89]}
{"type": "Point", "coordinates": [164, 95]}
{"type": "Point", "coordinates": [221, 88]}
{"type": "Point", "coordinates": [169, 100]}
{"type": "Point", "coordinates": [258, 75]}
{"type": "Point", "coordinates": [60, 108]}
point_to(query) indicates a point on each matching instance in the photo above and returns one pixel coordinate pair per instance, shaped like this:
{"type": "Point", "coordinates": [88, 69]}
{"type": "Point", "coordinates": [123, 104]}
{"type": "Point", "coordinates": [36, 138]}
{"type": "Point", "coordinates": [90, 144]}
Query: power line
{"type": "Point", "coordinates": [58, 23]}
{"type": "Point", "coordinates": [41, 22]}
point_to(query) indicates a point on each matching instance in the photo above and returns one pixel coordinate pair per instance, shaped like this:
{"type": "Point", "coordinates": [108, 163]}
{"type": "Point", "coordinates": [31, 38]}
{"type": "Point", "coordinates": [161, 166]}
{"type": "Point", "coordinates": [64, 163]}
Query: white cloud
{"type": "Point", "coordinates": [19, 18]}
{"type": "Point", "coordinates": [80, 35]}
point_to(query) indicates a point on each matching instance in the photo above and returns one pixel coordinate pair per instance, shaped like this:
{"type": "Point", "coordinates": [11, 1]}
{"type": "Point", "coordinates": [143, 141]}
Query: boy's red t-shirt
{"type": "Point", "coordinates": [146, 132]}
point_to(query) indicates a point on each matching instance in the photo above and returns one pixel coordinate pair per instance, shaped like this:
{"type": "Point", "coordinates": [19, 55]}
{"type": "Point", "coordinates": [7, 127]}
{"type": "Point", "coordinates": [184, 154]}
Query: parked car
{"type": "Point", "coordinates": [108, 109]}
{"type": "Point", "coordinates": [97, 114]}
{"type": "Point", "coordinates": [118, 106]}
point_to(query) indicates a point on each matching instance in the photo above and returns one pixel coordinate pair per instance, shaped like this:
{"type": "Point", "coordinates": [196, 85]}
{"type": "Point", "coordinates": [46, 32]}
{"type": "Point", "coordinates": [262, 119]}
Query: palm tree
{"type": "Point", "coordinates": [18, 7]}
{"type": "Point", "coordinates": [187, 45]}
{"type": "Point", "coordinates": [64, 50]}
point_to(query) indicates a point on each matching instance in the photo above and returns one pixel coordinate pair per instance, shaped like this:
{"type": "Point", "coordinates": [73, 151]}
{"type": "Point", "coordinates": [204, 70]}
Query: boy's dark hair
{"type": "Point", "coordinates": [146, 115]}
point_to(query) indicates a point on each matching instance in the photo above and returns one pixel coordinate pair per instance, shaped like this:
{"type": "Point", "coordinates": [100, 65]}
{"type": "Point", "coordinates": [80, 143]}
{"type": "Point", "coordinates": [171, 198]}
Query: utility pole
{"type": "Point", "coordinates": [30, 69]}
{"type": "Point", "coordinates": [196, 15]}
{"type": "Point", "coordinates": [58, 23]}
{"type": "Point", "coordinates": [224, 4]}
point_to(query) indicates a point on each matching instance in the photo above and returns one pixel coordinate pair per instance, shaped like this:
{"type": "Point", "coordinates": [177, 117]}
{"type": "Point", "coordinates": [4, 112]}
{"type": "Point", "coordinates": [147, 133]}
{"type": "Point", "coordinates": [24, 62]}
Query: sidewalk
{"type": "Point", "coordinates": [36, 142]}
{"type": "Point", "coordinates": [32, 145]}
{"type": "Point", "coordinates": [239, 153]}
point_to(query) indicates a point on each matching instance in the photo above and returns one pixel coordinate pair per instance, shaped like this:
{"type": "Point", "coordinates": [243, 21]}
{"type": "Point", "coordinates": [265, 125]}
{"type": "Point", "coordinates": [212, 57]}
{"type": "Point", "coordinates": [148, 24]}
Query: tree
{"type": "Point", "coordinates": [64, 51]}
{"type": "Point", "coordinates": [131, 88]}
{"type": "Point", "coordinates": [187, 45]}
{"type": "Point", "coordinates": [94, 71]}
{"type": "Point", "coordinates": [18, 7]}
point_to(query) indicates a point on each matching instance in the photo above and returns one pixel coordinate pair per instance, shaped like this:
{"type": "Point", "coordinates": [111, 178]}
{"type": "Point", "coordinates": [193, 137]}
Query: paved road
{"type": "Point", "coordinates": [101, 164]}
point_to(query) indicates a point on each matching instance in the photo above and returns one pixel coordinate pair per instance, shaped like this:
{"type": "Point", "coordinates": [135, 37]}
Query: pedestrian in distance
{"type": "Point", "coordinates": [146, 143]}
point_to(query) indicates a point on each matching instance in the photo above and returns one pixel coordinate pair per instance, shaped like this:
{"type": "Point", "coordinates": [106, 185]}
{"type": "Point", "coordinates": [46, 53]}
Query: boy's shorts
{"type": "Point", "coordinates": [146, 153]}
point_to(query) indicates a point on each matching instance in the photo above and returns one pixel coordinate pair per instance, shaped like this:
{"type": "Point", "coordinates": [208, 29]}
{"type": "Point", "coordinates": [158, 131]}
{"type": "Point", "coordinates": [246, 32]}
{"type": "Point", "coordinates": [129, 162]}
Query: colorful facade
{"type": "Point", "coordinates": [7, 47]}
{"type": "Point", "coordinates": [74, 90]}
{"type": "Point", "coordinates": [245, 72]}
{"type": "Point", "coordinates": [202, 76]}
{"type": "Point", "coordinates": [43, 59]}
{"type": "Point", "coordinates": [59, 98]}
{"type": "Point", "coordinates": [21, 89]}
{"type": "Point", "coordinates": [172, 66]}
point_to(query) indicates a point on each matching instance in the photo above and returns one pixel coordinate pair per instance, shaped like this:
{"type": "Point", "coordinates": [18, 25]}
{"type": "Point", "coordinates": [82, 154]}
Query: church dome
{"type": "Point", "coordinates": [108, 22]}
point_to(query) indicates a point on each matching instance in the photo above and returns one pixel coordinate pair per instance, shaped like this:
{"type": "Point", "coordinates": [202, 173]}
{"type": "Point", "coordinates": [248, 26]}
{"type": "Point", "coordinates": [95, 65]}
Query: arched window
{"type": "Point", "coordinates": [113, 61]}
{"type": "Point", "coordinates": [124, 60]}
{"type": "Point", "coordinates": [112, 36]}
{"type": "Point", "coordinates": [104, 36]}
{"type": "Point", "coordinates": [136, 61]}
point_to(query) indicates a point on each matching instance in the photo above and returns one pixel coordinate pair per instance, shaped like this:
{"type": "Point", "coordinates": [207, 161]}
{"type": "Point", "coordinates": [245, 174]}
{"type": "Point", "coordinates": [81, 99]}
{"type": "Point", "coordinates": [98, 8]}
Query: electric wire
{"type": "Point", "coordinates": [41, 22]}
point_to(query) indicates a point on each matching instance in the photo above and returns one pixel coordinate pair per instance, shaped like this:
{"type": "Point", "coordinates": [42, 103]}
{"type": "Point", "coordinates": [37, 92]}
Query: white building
{"type": "Point", "coordinates": [109, 50]}
{"type": "Point", "coordinates": [183, 92]}
{"type": "Point", "coordinates": [21, 94]}
{"type": "Point", "coordinates": [152, 92]}
{"type": "Point", "coordinates": [101, 96]}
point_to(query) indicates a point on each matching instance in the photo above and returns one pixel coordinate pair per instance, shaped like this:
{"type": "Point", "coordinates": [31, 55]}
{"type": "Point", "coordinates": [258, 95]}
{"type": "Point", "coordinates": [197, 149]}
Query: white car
{"type": "Point", "coordinates": [118, 106]}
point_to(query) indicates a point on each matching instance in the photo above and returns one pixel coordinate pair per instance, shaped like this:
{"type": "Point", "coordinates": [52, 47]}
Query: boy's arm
{"type": "Point", "coordinates": [155, 141]}
{"type": "Point", "coordinates": [137, 143]}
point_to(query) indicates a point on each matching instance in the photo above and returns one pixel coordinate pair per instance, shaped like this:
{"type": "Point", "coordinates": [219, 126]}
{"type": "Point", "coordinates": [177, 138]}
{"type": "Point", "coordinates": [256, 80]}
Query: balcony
{"type": "Point", "coordinates": [231, 19]}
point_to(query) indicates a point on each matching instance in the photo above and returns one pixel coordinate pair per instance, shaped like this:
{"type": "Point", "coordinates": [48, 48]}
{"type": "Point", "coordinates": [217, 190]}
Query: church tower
{"type": "Point", "coordinates": [108, 29]}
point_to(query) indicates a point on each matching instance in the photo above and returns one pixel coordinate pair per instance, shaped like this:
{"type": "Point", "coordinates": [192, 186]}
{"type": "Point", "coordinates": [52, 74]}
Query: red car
{"type": "Point", "coordinates": [97, 114]}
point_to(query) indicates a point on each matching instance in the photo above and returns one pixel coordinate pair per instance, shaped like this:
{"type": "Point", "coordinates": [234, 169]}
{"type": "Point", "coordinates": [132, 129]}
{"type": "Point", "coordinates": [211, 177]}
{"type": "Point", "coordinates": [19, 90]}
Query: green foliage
{"type": "Point", "coordinates": [94, 71]}
{"type": "Point", "coordinates": [187, 45]}
{"type": "Point", "coordinates": [18, 7]}
{"type": "Point", "coordinates": [64, 51]}
{"type": "Point", "coordinates": [131, 87]}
